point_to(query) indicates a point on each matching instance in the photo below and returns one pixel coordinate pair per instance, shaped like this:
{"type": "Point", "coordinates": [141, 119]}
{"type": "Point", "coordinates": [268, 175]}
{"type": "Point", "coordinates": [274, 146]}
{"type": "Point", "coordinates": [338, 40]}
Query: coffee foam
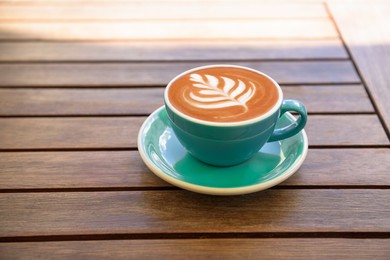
{"type": "Point", "coordinates": [223, 94]}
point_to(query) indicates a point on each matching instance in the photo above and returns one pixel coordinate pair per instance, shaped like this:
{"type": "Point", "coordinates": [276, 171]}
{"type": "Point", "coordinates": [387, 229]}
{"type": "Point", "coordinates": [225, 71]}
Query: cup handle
{"type": "Point", "coordinates": [295, 127]}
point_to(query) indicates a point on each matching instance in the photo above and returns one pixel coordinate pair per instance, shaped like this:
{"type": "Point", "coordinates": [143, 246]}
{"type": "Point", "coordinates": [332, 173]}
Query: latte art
{"type": "Point", "coordinates": [223, 94]}
{"type": "Point", "coordinates": [218, 92]}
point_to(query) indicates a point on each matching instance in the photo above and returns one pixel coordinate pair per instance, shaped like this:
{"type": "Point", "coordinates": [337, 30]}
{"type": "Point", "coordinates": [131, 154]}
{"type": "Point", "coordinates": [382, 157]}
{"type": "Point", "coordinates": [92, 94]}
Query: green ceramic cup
{"type": "Point", "coordinates": [228, 144]}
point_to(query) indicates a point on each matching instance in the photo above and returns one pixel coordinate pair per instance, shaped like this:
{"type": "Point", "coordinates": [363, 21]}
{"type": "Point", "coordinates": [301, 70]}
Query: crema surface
{"type": "Point", "coordinates": [223, 94]}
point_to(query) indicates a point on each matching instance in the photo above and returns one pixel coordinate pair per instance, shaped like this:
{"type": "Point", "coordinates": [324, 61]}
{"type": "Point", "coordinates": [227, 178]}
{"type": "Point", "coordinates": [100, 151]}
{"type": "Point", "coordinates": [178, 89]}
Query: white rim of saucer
{"type": "Point", "coordinates": [239, 123]}
{"type": "Point", "coordinates": [219, 191]}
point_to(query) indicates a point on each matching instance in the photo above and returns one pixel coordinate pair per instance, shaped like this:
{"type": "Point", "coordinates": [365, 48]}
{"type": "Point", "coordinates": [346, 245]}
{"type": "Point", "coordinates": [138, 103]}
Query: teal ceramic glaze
{"type": "Point", "coordinates": [227, 144]}
{"type": "Point", "coordinates": [231, 145]}
{"type": "Point", "coordinates": [167, 158]}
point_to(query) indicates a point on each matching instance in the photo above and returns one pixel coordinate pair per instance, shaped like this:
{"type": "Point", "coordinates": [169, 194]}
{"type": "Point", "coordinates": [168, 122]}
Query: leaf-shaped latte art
{"type": "Point", "coordinates": [219, 92]}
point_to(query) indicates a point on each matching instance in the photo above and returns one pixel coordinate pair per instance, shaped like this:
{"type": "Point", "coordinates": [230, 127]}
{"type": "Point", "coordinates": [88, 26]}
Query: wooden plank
{"type": "Point", "coordinates": [345, 130]}
{"type": "Point", "coordinates": [328, 99]}
{"type": "Point", "coordinates": [121, 132]}
{"type": "Point", "coordinates": [69, 132]}
{"type": "Point", "coordinates": [269, 248]}
{"type": "Point", "coordinates": [343, 167]}
{"type": "Point", "coordinates": [159, 10]}
{"type": "Point", "coordinates": [151, 74]}
{"type": "Point", "coordinates": [125, 170]}
{"type": "Point", "coordinates": [165, 30]}
{"type": "Point", "coordinates": [368, 40]}
{"type": "Point", "coordinates": [172, 50]}
{"type": "Point", "coordinates": [66, 2]}
{"type": "Point", "coordinates": [40, 170]}
{"type": "Point", "coordinates": [148, 212]}
{"type": "Point", "coordinates": [137, 101]}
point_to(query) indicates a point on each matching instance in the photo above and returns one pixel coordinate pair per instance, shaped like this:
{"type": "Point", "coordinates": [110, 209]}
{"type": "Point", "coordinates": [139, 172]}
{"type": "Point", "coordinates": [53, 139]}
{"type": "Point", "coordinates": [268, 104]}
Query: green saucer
{"type": "Point", "coordinates": [167, 158]}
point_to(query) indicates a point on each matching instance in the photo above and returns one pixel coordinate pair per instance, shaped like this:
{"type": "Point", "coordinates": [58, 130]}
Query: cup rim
{"type": "Point", "coordinates": [238, 123]}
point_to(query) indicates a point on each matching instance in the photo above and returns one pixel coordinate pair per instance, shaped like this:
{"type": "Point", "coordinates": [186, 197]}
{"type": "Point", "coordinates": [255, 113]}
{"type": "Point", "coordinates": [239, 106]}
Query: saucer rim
{"type": "Point", "coordinates": [219, 191]}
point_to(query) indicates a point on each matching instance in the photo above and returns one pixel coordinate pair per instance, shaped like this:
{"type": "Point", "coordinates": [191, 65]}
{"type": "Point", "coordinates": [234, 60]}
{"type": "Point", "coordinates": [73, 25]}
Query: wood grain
{"type": "Point", "coordinates": [96, 58]}
{"type": "Point", "coordinates": [152, 74]}
{"type": "Point", "coordinates": [69, 132]}
{"type": "Point", "coordinates": [171, 50]}
{"type": "Point", "coordinates": [169, 2]}
{"type": "Point", "coordinates": [345, 130]}
{"type": "Point", "coordinates": [328, 99]}
{"type": "Point", "coordinates": [343, 167]}
{"type": "Point", "coordinates": [158, 10]}
{"type": "Point", "coordinates": [143, 101]}
{"type": "Point", "coordinates": [148, 212]}
{"type": "Point", "coordinates": [125, 170]}
{"type": "Point", "coordinates": [320, 28]}
{"type": "Point", "coordinates": [121, 132]}
{"type": "Point", "coordinates": [368, 40]}
{"type": "Point", "coordinates": [35, 170]}
{"type": "Point", "coordinates": [135, 101]}
{"type": "Point", "coordinates": [269, 248]}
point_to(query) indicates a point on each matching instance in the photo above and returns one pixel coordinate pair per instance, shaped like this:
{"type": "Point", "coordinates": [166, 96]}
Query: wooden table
{"type": "Point", "coordinates": [77, 79]}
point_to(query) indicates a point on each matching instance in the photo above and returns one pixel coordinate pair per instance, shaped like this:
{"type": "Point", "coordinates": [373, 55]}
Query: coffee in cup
{"type": "Point", "coordinates": [223, 94]}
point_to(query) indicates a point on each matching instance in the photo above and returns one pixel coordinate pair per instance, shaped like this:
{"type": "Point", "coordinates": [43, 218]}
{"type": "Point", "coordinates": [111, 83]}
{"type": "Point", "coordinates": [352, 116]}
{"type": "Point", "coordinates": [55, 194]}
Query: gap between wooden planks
{"type": "Point", "coordinates": [368, 40]}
